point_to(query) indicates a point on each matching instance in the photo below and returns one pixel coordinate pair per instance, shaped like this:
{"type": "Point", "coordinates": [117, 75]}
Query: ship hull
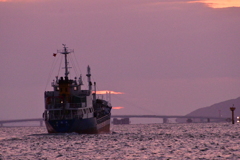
{"type": "Point", "coordinates": [81, 126]}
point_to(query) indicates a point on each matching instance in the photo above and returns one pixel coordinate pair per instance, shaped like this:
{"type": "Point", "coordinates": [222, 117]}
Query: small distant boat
{"type": "Point", "coordinates": [68, 108]}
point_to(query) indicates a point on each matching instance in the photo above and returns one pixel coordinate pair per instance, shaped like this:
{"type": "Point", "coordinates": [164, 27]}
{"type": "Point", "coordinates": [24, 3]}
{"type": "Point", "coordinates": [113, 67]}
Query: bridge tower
{"type": "Point", "coordinates": [165, 120]}
{"type": "Point", "coordinates": [41, 123]}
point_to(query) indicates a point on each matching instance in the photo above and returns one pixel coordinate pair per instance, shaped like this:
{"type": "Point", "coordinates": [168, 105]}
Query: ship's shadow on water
{"type": "Point", "coordinates": [140, 141]}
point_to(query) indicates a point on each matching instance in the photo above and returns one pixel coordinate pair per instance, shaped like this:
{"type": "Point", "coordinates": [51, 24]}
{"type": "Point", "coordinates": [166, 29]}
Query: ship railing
{"type": "Point", "coordinates": [55, 106]}
{"type": "Point", "coordinates": [69, 105]}
{"type": "Point", "coordinates": [60, 114]}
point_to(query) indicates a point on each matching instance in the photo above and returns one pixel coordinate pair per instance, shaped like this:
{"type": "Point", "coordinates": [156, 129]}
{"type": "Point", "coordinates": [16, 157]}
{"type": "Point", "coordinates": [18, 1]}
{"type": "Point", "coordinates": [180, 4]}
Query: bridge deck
{"type": "Point", "coordinates": [123, 116]}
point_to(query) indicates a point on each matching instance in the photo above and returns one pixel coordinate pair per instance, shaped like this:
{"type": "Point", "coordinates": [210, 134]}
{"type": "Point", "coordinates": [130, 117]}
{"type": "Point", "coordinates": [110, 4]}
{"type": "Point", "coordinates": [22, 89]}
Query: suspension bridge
{"type": "Point", "coordinates": [165, 119]}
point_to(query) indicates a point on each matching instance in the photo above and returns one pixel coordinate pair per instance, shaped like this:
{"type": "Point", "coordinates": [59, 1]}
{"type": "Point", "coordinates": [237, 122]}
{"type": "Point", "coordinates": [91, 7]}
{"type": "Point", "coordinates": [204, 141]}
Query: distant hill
{"type": "Point", "coordinates": [216, 110]}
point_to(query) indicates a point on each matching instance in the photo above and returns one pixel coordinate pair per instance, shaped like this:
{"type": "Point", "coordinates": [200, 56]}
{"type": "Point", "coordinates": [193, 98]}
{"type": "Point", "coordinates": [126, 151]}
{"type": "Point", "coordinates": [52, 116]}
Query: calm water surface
{"type": "Point", "coordinates": [136, 141]}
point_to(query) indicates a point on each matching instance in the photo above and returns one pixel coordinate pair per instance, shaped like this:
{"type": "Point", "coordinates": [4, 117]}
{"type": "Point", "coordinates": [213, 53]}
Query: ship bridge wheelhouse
{"type": "Point", "coordinates": [67, 85]}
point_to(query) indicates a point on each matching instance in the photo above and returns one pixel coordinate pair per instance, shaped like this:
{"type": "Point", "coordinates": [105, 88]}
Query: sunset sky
{"type": "Point", "coordinates": [165, 57]}
{"type": "Point", "coordinates": [219, 3]}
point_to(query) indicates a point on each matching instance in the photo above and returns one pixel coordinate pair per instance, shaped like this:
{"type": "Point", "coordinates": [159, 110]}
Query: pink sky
{"type": "Point", "coordinates": [167, 57]}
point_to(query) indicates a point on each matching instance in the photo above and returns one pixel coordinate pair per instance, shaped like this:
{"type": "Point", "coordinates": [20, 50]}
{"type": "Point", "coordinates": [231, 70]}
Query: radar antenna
{"type": "Point", "coordinates": [65, 51]}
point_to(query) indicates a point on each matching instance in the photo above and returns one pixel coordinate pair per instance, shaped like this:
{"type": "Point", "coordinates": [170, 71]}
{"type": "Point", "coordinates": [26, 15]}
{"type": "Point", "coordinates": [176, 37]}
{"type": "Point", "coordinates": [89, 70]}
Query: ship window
{"type": "Point", "coordinates": [80, 112]}
{"type": "Point", "coordinates": [57, 88]}
{"type": "Point", "coordinates": [75, 88]}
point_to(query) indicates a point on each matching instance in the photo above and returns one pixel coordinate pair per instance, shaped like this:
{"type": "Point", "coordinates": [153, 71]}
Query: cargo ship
{"type": "Point", "coordinates": [68, 108]}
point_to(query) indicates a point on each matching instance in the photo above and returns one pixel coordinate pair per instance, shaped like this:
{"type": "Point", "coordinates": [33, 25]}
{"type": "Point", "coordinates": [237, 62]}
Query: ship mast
{"type": "Point", "coordinates": [89, 78]}
{"type": "Point", "coordinates": [65, 51]}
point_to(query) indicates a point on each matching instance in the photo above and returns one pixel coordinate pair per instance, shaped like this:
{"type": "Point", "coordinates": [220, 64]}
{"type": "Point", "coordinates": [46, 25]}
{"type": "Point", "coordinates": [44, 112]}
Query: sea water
{"type": "Point", "coordinates": [135, 141]}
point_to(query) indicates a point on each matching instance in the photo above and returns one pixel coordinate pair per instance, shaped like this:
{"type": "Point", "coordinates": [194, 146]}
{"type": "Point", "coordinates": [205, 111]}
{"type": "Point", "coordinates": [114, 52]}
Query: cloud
{"type": "Point", "coordinates": [107, 91]}
{"type": "Point", "coordinates": [219, 3]}
{"type": "Point", "coordinates": [117, 107]}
